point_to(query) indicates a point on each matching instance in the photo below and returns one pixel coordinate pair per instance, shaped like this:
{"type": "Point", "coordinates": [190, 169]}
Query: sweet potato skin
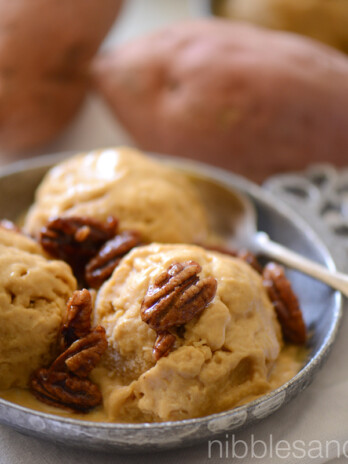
{"type": "Point", "coordinates": [45, 50]}
{"type": "Point", "coordinates": [231, 94]}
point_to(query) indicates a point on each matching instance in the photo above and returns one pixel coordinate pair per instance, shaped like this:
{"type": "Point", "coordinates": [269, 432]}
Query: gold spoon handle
{"type": "Point", "coordinates": [262, 244]}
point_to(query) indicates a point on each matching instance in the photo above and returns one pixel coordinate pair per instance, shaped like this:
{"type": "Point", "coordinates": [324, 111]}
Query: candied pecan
{"type": "Point", "coordinates": [102, 265]}
{"type": "Point", "coordinates": [9, 225]}
{"type": "Point", "coordinates": [76, 239]}
{"type": "Point", "coordinates": [77, 322]}
{"type": "Point", "coordinates": [64, 390]}
{"type": "Point", "coordinates": [64, 383]}
{"type": "Point", "coordinates": [163, 344]}
{"type": "Point", "coordinates": [285, 303]}
{"type": "Point", "coordinates": [83, 355]}
{"type": "Point", "coordinates": [177, 296]}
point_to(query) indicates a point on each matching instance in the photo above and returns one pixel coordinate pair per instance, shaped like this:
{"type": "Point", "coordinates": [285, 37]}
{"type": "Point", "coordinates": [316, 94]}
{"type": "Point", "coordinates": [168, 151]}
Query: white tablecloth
{"type": "Point", "coordinates": [318, 415]}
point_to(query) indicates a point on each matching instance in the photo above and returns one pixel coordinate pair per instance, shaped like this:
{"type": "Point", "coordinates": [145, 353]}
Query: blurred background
{"type": "Point", "coordinates": [94, 126]}
{"type": "Point", "coordinates": [26, 130]}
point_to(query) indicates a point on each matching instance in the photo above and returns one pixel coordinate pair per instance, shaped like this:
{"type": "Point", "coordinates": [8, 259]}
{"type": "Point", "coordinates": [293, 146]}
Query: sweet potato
{"type": "Point", "coordinates": [45, 49]}
{"type": "Point", "coordinates": [236, 95]}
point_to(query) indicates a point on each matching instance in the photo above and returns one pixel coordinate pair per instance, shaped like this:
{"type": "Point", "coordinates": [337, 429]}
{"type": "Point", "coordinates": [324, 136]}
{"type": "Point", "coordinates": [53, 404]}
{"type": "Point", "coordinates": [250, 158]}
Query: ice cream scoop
{"type": "Point", "coordinates": [221, 358]}
{"type": "Point", "coordinates": [144, 195]}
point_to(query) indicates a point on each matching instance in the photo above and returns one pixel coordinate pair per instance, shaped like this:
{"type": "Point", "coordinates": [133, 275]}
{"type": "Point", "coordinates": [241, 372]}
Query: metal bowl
{"type": "Point", "coordinates": [320, 304]}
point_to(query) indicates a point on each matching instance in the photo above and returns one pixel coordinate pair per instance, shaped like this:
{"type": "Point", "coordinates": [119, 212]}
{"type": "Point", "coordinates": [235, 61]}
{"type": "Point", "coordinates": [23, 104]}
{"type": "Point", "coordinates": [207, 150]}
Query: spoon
{"type": "Point", "coordinates": [238, 228]}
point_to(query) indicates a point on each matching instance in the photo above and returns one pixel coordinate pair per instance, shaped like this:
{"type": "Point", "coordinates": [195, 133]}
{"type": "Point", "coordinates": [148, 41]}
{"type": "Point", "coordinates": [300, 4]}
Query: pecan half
{"type": "Point", "coordinates": [285, 303]}
{"type": "Point", "coordinates": [77, 322]}
{"type": "Point", "coordinates": [64, 383]}
{"type": "Point", "coordinates": [64, 390]}
{"type": "Point", "coordinates": [103, 264]}
{"type": "Point", "coordinates": [177, 296]}
{"type": "Point", "coordinates": [76, 239]}
{"type": "Point", "coordinates": [83, 355]}
{"type": "Point", "coordinates": [163, 344]}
